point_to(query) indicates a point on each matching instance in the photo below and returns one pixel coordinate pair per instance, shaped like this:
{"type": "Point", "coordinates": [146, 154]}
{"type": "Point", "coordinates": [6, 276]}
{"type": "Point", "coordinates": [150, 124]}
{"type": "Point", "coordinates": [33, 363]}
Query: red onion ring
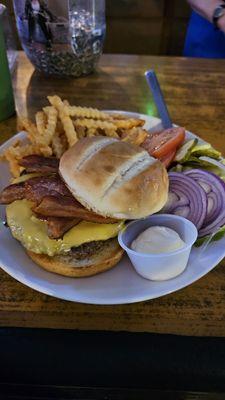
{"type": "Point", "coordinates": [214, 226]}
{"type": "Point", "coordinates": [215, 217]}
{"type": "Point", "coordinates": [190, 194]}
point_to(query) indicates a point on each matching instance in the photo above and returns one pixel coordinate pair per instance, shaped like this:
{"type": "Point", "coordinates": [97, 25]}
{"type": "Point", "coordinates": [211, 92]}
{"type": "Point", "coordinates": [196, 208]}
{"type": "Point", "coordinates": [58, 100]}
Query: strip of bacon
{"type": "Point", "coordinates": [51, 198]}
{"type": "Point", "coordinates": [39, 187]}
{"type": "Point", "coordinates": [12, 193]}
{"type": "Point", "coordinates": [57, 226]}
{"type": "Point", "coordinates": [62, 206]}
{"type": "Point", "coordinates": [36, 163]}
{"type": "Point", "coordinates": [34, 189]}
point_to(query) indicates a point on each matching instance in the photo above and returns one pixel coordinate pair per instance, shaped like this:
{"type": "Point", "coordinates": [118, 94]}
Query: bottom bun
{"type": "Point", "coordinates": [107, 256]}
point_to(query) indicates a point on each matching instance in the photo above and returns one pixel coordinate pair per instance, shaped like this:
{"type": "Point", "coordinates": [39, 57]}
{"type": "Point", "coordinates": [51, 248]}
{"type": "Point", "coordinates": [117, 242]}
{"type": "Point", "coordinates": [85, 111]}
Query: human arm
{"type": "Point", "coordinates": [206, 8]}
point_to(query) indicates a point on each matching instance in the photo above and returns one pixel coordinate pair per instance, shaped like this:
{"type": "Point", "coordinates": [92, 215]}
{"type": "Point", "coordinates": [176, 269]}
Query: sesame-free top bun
{"type": "Point", "coordinates": [114, 178]}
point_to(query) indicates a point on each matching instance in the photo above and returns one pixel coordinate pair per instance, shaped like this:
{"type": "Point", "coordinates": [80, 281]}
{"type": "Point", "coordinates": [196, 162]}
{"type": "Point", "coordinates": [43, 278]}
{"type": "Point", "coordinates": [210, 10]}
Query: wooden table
{"type": "Point", "coordinates": [194, 91]}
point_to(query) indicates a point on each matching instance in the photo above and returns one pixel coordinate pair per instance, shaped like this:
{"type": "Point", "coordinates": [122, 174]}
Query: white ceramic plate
{"type": "Point", "coordinates": [120, 285]}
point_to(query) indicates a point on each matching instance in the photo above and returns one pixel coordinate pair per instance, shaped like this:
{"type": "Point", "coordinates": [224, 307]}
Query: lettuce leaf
{"type": "Point", "coordinates": [219, 234]}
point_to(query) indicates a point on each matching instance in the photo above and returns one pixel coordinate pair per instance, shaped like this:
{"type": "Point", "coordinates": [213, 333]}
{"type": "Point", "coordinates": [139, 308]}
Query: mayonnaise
{"type": "Point", "coordinates": [156, 240]}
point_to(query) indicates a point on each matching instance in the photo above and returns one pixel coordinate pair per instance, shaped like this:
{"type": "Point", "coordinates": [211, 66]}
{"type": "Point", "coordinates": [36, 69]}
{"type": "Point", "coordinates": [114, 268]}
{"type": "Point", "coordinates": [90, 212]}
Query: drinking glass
{"type": "Point", "coordinates": [62, 37]}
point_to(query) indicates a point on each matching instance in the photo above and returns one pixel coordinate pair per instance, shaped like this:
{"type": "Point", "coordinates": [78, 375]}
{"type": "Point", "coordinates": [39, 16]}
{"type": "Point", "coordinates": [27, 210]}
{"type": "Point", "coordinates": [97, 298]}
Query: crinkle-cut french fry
{"type": "Point", "coordinates": [57, 146]}
{"type": "Point", "coordinates": [128, 123]}
{"type": "Point", "coordinates": [93, 132]}
{"type": "Point", "coordinates": [17, 151]}
{"type": "Point", "coordinates": [51, 125]}
{"type": "Point", "coordinates": [41, 121]}
{"type": "Point", "coordinates": [93, 127]}
{"type": "Point", "coordinates": [134, 136]}
{"type": "Point", "coordinates": [59, 140]}
{"type": "Point", "coordinates": [111, 133]}
{"type": "Point", "coordinates": [59, 127]}
{"type": "Point", "coordinates": [81, 131]}
{"type": "Point", "coordinates": [30, 128]}
{"type": "Point", "coordinates": [79, 112]}
{"type": "Point", "coordinates": [35, 138]}
{"type": "Point", "coordinates": [118, 116]}
{"type": "Point", "coordinates": [66, 103]}
{"type": "Point", "coordinates": [92, 123]}
{"type": "Point", "coordinates": [46, 110]}
{"type": "Point", "coordinates": [13, 162]}
{"type": "Point", "coordinates": [43, 150]}
{"type": "Point", "coordinates": [88, 112]}
{"type": "Point", "coordinates": [55, 101]}
{"type": "Point", "coordinates": [69, 128]}
{"type": "Point", "coordinates": [64, 141]}
{"type": "Point", "coordinates": [13, 165]}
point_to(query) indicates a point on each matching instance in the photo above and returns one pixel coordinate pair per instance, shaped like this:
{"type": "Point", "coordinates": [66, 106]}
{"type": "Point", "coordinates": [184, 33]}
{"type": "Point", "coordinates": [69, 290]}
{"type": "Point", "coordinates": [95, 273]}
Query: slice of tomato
{"type": "Point", "coordinates": [160, 144]}
{"type": "Point", "coordinates": [168, 159]}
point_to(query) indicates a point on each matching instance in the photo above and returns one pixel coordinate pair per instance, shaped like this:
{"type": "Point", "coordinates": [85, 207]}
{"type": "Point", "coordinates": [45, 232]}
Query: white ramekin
{"type": "Point", "coordinates": [164, 266]}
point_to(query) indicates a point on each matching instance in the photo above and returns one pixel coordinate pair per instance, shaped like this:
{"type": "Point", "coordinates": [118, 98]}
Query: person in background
{"type": "Point", "coordinates": [206, 31]}
{"type": "Point", "coordinates": [36, 11]}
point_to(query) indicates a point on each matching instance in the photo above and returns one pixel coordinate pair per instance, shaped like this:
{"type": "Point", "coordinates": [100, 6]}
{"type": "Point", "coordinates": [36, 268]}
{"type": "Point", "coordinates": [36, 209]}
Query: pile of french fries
{"type": "Point", "coordinates": [60, 125]}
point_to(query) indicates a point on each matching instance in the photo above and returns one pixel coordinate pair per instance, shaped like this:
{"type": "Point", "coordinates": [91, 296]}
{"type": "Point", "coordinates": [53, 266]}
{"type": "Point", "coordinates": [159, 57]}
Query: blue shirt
{"type": "Point", "coordinates": [203, 40]}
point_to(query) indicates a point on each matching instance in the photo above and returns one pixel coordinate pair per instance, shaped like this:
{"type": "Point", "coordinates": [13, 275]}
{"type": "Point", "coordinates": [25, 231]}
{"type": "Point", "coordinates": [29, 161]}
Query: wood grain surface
{"type": "Point", "coordinates": [194, 91]}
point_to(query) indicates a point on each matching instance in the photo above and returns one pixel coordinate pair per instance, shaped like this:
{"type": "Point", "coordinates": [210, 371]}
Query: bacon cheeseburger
{"type": "Point", "coordinates": [67, 216]}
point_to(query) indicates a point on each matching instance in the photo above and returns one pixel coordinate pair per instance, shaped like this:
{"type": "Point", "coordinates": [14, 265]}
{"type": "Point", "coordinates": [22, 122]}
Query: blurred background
{"type": "Point", "coordinates": [155, 27]}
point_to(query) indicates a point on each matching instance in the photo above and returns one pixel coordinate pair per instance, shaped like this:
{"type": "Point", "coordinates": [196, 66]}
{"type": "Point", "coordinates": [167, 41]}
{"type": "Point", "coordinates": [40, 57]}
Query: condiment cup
{"type": "Point", "coordinates": [163, 266]}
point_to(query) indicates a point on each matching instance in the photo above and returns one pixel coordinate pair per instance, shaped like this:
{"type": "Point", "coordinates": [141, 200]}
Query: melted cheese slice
{"type": "Point", "coordinates": [32, 232]}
